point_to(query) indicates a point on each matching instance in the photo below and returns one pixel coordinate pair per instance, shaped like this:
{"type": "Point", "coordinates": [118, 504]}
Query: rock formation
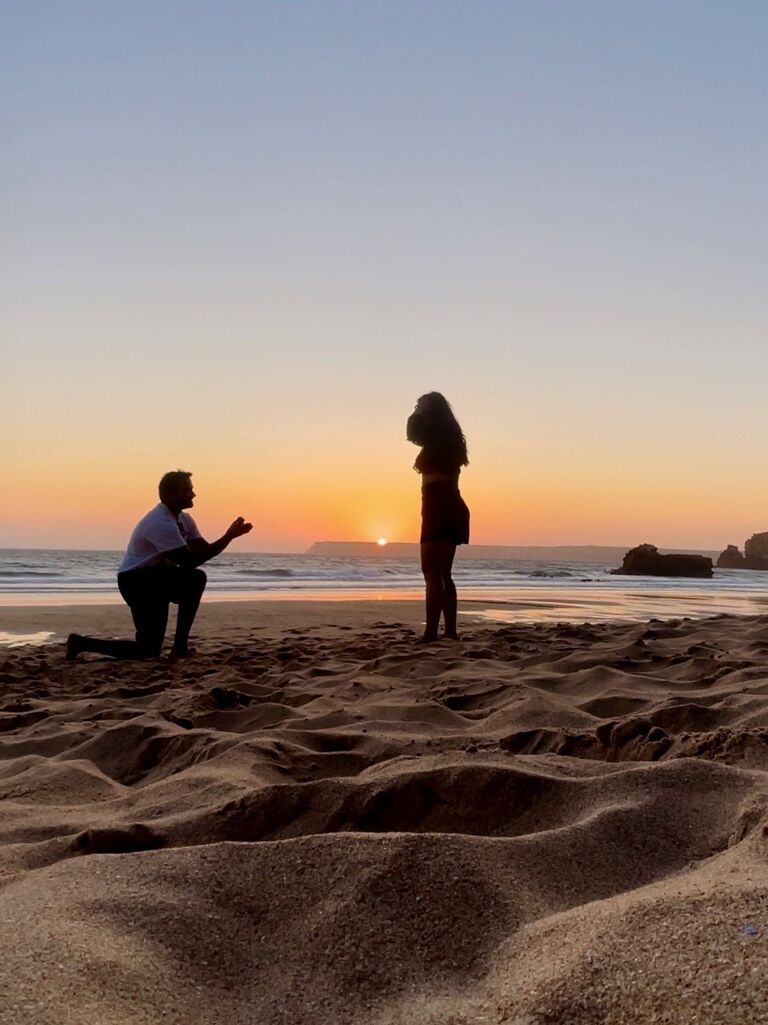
{"type": "Point", "coordinates": [645, 560]}
{"type": "Point", "coordinates": [755, 554]}
{"type": "Point", "coordinates": [756, 551]}
{"type": "Point", "coordinates": [731, 558]}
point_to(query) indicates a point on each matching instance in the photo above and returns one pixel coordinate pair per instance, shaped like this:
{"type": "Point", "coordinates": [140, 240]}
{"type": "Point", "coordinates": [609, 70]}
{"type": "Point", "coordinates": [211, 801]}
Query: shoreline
{"type": "Point", "coordinates": [228, 614]}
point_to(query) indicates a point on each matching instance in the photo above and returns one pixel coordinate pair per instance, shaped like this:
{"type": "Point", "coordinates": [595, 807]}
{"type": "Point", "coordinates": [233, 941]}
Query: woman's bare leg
{"type": "Point", "coordinates": [433, 579]}
{"type": "Point", "coordinates": [436, 562]}
{"type": "Point", "coordinates": [450, 600]}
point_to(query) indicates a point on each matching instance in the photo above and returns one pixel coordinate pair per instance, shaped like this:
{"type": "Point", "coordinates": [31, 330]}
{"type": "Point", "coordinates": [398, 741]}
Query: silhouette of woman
{"type": "Point", "coordinates": [444, 514]}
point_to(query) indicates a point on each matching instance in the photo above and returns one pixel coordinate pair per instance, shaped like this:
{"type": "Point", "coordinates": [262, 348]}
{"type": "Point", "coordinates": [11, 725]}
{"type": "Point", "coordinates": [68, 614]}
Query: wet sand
{"type": "Point", "coordinates": [317, 821]}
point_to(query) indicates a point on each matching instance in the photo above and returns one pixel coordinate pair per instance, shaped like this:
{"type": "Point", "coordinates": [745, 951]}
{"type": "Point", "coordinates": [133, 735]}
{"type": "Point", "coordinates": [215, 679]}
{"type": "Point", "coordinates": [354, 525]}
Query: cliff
{"type": "Point", "coordinates": [755, 554]}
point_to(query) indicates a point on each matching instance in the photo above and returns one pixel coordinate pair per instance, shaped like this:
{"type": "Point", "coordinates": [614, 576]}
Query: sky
{"type": "Point", "coordinates": [241, 238]}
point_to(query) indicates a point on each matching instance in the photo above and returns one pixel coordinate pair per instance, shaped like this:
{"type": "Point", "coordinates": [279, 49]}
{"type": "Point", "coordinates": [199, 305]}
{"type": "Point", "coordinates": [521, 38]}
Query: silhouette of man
{"type": "Point", "coordinates": [160, 567]}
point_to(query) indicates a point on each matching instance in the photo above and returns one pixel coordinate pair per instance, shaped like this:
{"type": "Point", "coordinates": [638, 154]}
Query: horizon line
{"type": "Point", "coordinates": [376, 546]}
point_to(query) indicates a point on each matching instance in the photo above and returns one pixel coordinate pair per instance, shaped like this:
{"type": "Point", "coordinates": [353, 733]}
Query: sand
{"type": "Point", "coordinates": [316, 821]}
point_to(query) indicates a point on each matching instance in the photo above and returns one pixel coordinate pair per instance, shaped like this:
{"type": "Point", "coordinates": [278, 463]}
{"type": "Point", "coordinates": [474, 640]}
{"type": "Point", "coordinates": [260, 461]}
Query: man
{"type": "Point", "coordinates": [160, 567]}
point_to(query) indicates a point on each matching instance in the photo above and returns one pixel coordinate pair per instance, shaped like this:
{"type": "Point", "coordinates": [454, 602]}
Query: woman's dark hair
{"type": "Point", "coordinates": [437, 430]}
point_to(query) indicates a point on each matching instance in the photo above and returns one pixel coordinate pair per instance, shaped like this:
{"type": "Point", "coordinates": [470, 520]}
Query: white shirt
{"type": "Point", "coordinates": [154, 535]}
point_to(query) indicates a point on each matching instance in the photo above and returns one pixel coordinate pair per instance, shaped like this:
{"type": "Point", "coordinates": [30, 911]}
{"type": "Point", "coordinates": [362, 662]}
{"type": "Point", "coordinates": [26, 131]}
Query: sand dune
{"type": "Point", "coordinates": [538, 825]}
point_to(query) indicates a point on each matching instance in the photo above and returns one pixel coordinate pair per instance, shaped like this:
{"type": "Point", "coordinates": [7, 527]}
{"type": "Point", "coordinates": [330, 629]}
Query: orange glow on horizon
{"type": "Point", "coordinates": [92, 500]}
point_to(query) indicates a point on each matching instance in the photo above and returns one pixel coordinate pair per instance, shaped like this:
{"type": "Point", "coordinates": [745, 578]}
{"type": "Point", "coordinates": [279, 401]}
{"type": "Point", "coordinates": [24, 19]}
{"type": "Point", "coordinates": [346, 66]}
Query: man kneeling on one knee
{"type": "Point", "coordinates": [160, 567]}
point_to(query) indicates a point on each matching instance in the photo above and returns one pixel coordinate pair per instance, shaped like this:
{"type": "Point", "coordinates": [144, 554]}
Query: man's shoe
{"type": "Point", "coordinates": [74, 647]}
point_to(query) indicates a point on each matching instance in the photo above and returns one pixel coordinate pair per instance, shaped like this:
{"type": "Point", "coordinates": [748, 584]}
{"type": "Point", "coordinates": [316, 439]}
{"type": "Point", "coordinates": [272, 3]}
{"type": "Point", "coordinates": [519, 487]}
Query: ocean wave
{"type": "Point", "coordinates": [30, 573]}
{"type": "Point", "coordinates": [67, 572]}
{"type": "Point", "coordinates": [278, 571]}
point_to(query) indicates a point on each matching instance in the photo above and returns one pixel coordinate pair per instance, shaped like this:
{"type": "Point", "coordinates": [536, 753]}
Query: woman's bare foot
{"type": "Point", "coordinates": [74, 647]}
{"type": "Point", "coordinates": [427, 639]}
{"type": "Point", "coordinates": [451, 636]}
{"type": "Point", "coordinates": [181, 652]}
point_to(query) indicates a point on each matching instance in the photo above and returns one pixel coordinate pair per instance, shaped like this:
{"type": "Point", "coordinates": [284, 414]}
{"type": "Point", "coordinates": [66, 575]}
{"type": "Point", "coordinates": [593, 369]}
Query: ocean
{"type": "Point", "coordinates": [501, 589]}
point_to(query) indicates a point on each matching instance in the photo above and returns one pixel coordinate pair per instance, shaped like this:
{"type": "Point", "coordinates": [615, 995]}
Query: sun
{"type": "Point", "coordinates": [381, 542]}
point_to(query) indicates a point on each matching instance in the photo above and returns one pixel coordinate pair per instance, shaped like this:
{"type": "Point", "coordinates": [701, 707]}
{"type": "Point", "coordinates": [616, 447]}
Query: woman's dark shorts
{"type": "Point", "coordinates": [444, 514]}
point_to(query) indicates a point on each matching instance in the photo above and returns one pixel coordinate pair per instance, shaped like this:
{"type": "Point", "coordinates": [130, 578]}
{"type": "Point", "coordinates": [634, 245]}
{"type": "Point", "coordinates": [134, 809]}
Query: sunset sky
{"type": "Point", "coordinates": [242, 237]}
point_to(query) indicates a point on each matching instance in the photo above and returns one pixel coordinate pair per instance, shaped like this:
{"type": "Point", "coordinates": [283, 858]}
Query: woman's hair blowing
{"type": "Point", "coordinates": [434, 427]}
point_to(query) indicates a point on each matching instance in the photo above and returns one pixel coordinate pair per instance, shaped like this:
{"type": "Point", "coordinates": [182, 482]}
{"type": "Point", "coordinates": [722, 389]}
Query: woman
{"type": "Point", "coordinates": [444, 515]}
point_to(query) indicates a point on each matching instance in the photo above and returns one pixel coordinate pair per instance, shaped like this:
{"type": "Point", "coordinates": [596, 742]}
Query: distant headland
{"type": "Point", "coordinates": [609, 554]}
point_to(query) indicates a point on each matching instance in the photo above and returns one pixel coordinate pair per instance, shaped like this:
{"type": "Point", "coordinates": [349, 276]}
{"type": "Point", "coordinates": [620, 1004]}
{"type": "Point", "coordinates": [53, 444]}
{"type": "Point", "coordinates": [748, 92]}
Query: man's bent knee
{"type": "Point", "coordinates": [191, 579]}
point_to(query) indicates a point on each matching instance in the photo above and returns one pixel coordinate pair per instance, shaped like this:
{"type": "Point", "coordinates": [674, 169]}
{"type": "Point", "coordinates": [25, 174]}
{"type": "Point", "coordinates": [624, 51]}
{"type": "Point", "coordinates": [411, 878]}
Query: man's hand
{"type": "Point", "coordinates": [238, 528]}
{"type": "Point", "coordinates": [198, 550]}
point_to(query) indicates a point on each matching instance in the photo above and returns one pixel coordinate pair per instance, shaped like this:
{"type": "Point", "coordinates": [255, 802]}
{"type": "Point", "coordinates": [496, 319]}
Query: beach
{"type": "Point", "coordinates": [316, 820]}
{"type": "Point", "coordinates": [414, 355]}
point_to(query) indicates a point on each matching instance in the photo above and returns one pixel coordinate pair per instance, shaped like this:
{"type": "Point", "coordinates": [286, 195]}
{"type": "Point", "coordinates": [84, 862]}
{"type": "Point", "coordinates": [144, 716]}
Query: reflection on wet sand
{"type": "Point", "coordinates": [587, 605]}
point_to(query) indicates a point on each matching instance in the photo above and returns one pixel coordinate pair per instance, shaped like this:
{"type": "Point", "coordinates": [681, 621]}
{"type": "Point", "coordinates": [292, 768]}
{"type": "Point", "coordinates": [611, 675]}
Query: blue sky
{"type": "Point", "coordinates": [299, 216]}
